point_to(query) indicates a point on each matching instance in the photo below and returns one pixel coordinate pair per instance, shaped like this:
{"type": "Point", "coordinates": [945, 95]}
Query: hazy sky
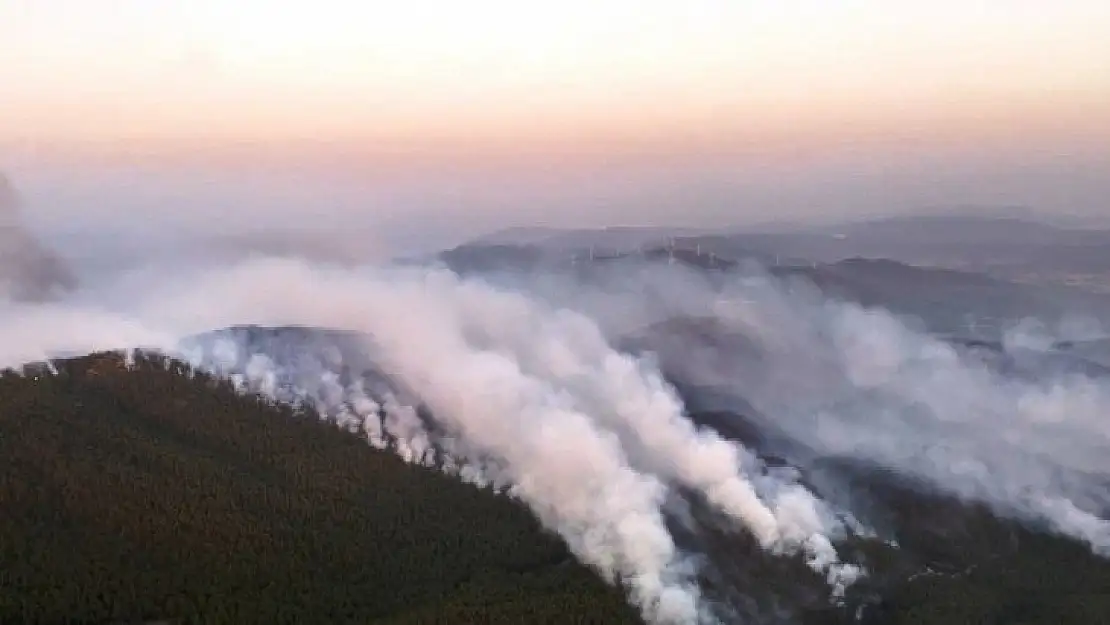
{"type": "Point", "coordinates": [484, 69]}
{"type": "Point", "coordinates": [745, 106]}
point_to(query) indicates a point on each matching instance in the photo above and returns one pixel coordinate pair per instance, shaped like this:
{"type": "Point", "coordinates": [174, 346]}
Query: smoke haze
{"type": "Point", "coordinates": [558, 388]}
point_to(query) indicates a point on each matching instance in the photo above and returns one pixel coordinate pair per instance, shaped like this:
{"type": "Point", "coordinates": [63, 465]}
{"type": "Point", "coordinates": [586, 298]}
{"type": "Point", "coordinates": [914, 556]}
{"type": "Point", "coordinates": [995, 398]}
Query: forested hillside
{"type": "Point", "coordinates": [146, 494]}
{"type": "Point", "coordinates": [159, 494]}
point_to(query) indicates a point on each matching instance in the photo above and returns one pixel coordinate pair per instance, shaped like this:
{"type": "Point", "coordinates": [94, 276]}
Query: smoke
{"type": "Point", "coordinates": [36, 332]}
{"type": "Point", "coordinates": [572, 474]}
{"type": "Point", "coordinates": [1030, 447]}
{"type": "Point", "coordinates": [520, 394]}
{"type": "Point", "coordinates": [631, 398]}
{"type": "Point", "coordinates": [558, 390]}
{"type": "Point", "coordinates": [537, 398]}
{"type": "Point", "coordinates": [28, 270]}
{"type": "Point", "coordinates": [1017, 427]}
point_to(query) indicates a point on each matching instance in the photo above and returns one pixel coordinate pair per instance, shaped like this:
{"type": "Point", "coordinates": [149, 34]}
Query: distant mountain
{"type": "Point", "coordinates": [614, 238]}
{"type": "Point", "coordinates": [1008, 242]}
{"type": "Point", "coordinates": [481, 258]}
{"type": "Point", "coordinates": [976, 241]}
{"type": "Point", "coordinates": [28, 270]}
{"type": "Point", "coordinates": [968, 230]}
{"type": "Point", "coordinates": [950, 301]}
{"type": "Point", "coordinates": [953, 229]}
{"type": "Point", "coordinates": [1005, 246]}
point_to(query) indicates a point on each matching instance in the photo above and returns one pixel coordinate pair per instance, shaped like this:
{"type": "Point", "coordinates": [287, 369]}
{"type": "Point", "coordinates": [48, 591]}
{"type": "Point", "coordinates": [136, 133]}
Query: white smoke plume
{"type": "Point", "coordinates": [525, 395]}
{"type": "Point", "coordinates": [459, 340]}
{"type": "Point", "coordinates": [571, 472]}
{"type": "Point", "coordinates": [631, 398]}
{"type": "Point", "coordinates": [528, 392]}
{"type": "Point", "coordinates": [1015, 429]}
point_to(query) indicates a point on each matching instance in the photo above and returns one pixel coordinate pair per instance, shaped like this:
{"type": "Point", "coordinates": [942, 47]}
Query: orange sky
{"type": "Point", "coordinates": [494, 76]}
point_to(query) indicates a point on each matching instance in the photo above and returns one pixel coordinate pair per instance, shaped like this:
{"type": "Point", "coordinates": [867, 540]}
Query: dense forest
{"type": "Point", "coordinates": [158, 493]}
{"type": "Point", "coordinates": [150, 494]}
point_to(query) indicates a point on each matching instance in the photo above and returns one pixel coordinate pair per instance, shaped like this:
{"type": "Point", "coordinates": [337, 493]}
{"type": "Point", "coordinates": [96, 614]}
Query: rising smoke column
{"type": "Point", "coordinates": [572, 473]}
{"type": "Point", "coordinates": [630, 397]}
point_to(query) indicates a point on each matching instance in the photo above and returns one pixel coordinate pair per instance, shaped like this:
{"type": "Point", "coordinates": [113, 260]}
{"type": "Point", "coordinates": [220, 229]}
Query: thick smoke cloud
{"type": "Point", "coordinates": [523, 395]}
{"type": "Point", "coordinates": [1011, 426]}
{"type": "Point", "coordinates": [557, 388]}
{"type": "Point", "coordinates": [458, 343]}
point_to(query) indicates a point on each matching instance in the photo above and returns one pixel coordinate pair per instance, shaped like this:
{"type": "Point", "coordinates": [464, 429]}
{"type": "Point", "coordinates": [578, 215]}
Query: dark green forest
{"type": "Point", "coordinates": [144, 494]}
{"type": "Point", "coordinates": [157, 493]}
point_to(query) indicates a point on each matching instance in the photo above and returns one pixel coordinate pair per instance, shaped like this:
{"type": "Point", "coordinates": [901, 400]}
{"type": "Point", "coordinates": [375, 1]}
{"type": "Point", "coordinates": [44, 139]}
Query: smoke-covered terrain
{"type": "Point", "coordinates": [1008, 242]}
{"type": "Point", "coordinates": [724, 441]}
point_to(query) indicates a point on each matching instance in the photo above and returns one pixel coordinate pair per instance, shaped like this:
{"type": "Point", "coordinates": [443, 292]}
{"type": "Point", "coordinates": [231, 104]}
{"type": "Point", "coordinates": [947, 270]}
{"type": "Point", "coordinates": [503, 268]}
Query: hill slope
{"type": "Point", "coordinates": [158, 493]}
{"type": "Point", "coordinates": [957, 562]}
{"type": "Point", "coordinates": [153, 494]}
